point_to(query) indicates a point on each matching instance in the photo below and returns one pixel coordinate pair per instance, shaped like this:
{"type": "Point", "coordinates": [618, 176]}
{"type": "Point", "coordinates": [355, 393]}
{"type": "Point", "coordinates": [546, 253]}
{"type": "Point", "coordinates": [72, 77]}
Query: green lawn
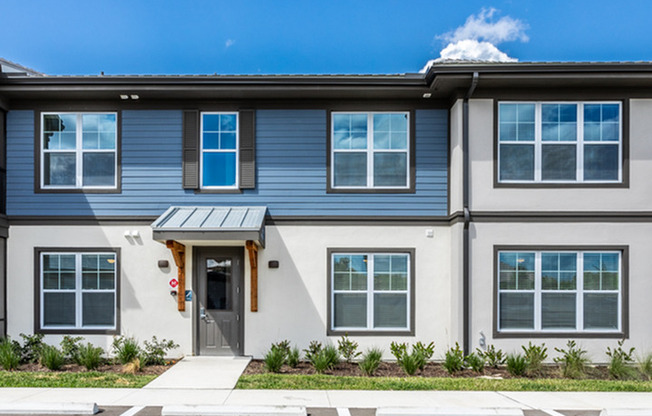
{"type": "Point", "coordinates": [325, 382]}
{"type": "Point", "coordinates": [68, 379]}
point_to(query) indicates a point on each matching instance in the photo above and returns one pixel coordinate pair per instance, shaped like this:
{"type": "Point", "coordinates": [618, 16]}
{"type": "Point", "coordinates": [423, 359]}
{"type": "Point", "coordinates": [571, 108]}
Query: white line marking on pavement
{"type": "Point", "coordinates": [133, 411]}
{"type": "Point", "coordinates": [552, 412]}
{"type": "Point", "coordinates": [343, 411]}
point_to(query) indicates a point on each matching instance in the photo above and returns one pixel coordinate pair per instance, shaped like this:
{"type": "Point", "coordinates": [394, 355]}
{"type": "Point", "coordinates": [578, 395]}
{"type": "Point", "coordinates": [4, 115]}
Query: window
{"type": "Point", "coordinates": [371, 291]}
{"type": "Point", "coordinates": [78, 290]}
{"type": "Point", "coordinates": [565, 142]}
{"type": "Point", "coordinates": [78, 150]}
{"type": "Point", "coordinates": [219, 154]}
{"type": "Point", "coordinates": [370, 150]}
{"type": "Point", "coordinates": [559, 291]}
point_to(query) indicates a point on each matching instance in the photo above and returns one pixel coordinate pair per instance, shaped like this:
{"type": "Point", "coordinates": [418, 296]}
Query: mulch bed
{"type": "Point", "coordinates": [391, 369]}
{"type": "Point", "coordinates": [107, 368]}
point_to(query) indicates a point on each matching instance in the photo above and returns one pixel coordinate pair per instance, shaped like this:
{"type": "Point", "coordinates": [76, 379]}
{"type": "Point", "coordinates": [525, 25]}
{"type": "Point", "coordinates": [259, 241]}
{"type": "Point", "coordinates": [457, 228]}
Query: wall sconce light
{"type": "Point", "coordinates": [273, 264]}
{"type": "Point", "coordinates": [163, 264]}
{"type": "Point", "coordinates": [132, 234]}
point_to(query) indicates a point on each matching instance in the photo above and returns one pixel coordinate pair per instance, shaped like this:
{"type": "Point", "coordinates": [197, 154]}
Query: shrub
{"type": "Point", "coordinates": [492, 356]}
{"type": "Point", "coordinates": [475, 362]}
{"type": "Point", "coordinates": [31, 350]}
{"type": "Point", "coordinates": [313, 349]}
{"type": "Point", "coordinates": [154, 351]}
{"type": "Point", "coordinates": [9, 354]}
{"type": "Point", "coordinates": [454, 359]}
{"type": "Point", "coordinates": [293, 357]}
{"type": "Point", "coordinates": [348, 348]}
{"type": "Point", "coordinates": [51, 357]}
{"type": "Point", "coordinates": [126, 349]}
{"type": "Point", "coordinates": [621, 362]}
{"type": "Point", "coordinates": [90, 356]}
{"type": "Point", "coordinates": [370, 361]}
{"type": "Point", "coordinates": [70, 347]}
{"type": "Point", "coordinates": [516, 364]}
{"type": "Point", "coordinates": [321, 362]}
{"type": "Point", "coordinates": [645, 365]}
{"type": "Point", "coordinates": [332, 354]}
{"type": "Point", "coordinates": [573, 360]}
{"type": "Point", "coordinates": [535, 355]}
{"type": "Point", "coordinates": [274, 359]}
{"type": "Point", "coordinates": [425, 352]}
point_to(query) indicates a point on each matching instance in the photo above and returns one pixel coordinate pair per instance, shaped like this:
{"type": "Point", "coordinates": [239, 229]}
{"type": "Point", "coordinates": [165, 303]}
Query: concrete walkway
{"type": "Point", "coordinates": [202, 373]}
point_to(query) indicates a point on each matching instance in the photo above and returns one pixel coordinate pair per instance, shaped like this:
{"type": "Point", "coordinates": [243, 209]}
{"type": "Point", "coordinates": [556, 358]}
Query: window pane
{"type": "Point", "coordinates": [342, 281]}
{"type": "Point", "coordinates": [559, 122]}
{"type": "Point", "coordinates": [350, 131]}
{"type": "Point", "coordinates": [350, 169]}
{"type": "Point", "coordinates": [211, 122]}
{"type": "Point", "coordinates": [99, 169]}
{"type": "Point", "coordinates": [218, 169]}
{"type": "Point", "coordinates": [211, 140]}
{"type": "Point", "coordinates": [516, 162]}
{"type": "Point", "coordinates": [558, 310]}
{"type": "Point", "coordinates": [390, 310]}
{"type": "Point", "coordinates": [600, 311]}
{"type": "Point", "coordinates": [601, 122]}
{"type": "Point", "coordinates": [516, 122]}
{"type": "Point", "coordinates": [59, 169]}
{"type": "Point", "coordinates": [98, 309]}
{"type": "Point", "coordinates": [381, 281]}
{"type": "Point", "coordinates": [350, 310]}
{"type": "Point", "coordinates": [390, 169]}
{"type": "Point", "coordinates": [219, 280]}
{"type": "Point", "coordinates": [227, 141]}
{"type": "Point", "coordinates": [228, 122]}
{"type": "Point", "coordinates": [601, 162]}
{"type": "Point", "coordinates": [516, 310]}
{"type": "Point", "coordinates": [98, 131]}
{"type": "Point", "coordinates": [558, 162]}
{"type": "Point", "coordinates": [59, 309]}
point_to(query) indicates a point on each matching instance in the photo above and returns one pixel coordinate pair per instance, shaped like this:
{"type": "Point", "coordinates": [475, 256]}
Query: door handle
{"type": "Point", "coordinates": [202, 315]}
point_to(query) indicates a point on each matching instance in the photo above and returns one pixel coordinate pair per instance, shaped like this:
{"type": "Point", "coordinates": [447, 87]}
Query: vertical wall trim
{"type": "Point", "coordinates": [190, 162]}
{"type": "Point", "coordinates": [247, 120]}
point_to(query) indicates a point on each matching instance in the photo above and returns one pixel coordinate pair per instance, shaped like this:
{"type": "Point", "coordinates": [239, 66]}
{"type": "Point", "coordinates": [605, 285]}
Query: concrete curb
{"type": "Point", "coordinates": [626, 412]}
{"type": "Point", "coordinates": [24, 408]}
{"type": "Point", "coordinates": [447, 411]}
{"type": "Point", "coordinates": [209, 410]}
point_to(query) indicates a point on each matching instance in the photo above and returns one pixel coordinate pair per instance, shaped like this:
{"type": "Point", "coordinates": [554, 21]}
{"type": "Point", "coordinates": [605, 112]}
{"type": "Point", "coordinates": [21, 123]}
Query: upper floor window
{"type": "Point", "coordinates": [563, 142]}
{"type": "Point", "coordinates": [219, 150]}
{"type": "Point", "coordinates": [370, 150]}
{"type": "Point", "coordinates": [78, 150]}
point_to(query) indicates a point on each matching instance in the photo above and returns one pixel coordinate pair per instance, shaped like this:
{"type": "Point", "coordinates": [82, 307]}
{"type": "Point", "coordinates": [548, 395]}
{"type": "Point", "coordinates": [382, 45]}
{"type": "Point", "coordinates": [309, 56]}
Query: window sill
{"type": "Point", "coordinates": [78, 190]}
{"type": "Point", "coordinates": [557, 185]}
{"type": "Point", "coordinates": [567, 335]}
{"type": "Point", "coordinates": [218, 191]}
{"type": "Point", "coordinates": [375, 333]}
{"type": "Point", "coordinates": [87, 331]}
{"type": "Point", "coordinates": [370, 191]}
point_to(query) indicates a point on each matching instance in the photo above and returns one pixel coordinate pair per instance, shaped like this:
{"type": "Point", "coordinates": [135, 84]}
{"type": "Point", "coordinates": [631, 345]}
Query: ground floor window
{"type": "Point", "coordinates": [78, 289]}
{"type": "Point", "coordinates": [560, 290]}
{"type": "Point", "coordinates": [371, 290]}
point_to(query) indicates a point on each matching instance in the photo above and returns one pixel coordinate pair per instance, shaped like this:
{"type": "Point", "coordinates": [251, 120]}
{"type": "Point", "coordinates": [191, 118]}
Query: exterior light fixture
{"type": "Point", "coordinates": [427, 95]}
{"type": "Point", "coordinates": [124, 97]}
{"type": "Point", "coordinates": [134, 96]}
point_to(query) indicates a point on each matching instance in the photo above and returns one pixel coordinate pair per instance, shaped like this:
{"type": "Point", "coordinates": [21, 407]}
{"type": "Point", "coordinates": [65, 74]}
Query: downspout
{"type": "Point", "coordinates": [466, 290]}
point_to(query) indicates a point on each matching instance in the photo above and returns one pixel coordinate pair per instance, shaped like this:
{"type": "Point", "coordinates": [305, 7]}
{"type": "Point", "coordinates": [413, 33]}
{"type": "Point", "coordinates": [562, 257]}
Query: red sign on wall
{"type": "Point", "coordinates": [174, 283]}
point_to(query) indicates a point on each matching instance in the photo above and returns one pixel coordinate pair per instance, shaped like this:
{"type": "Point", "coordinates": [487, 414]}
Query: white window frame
{"type": "Point", "coordinates": [370, 291]}
{"type": "Point", "coordinates": [370, 150]}
{"type": "Point", "coordinates": [78, 291]}
{"type": "Point", "coordinates": [578, 291]}
{"type": "Point", "coordinates": [579, 143]}
{"type": "Point", "coordinates": [79, 151]}
{"type": "Point", "coordinates": [236, 150]}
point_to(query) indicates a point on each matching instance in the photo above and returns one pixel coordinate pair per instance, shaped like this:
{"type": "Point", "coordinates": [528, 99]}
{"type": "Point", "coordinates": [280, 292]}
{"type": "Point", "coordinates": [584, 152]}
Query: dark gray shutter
{"type": "Point", "coordinates": [247, 126]}
{"type": "Point", "coordinates": [191, 149]}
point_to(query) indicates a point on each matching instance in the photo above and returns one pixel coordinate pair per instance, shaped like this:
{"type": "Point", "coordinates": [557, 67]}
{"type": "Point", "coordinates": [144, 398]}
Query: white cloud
{"type": "Point", "coordinates": [229, 43]}
{"type": "Point", "coordinates": [470, 49]}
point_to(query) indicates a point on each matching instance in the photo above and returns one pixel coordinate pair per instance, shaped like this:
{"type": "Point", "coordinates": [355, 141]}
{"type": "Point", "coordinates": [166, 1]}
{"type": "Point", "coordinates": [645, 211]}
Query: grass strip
{"type": "Point", "coordinates": [325, 382]}
{"type": "Point", "coordinates": [66, 379]}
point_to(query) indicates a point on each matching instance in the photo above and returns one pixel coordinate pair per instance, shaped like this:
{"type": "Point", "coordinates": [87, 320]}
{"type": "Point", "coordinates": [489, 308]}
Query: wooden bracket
{"type": "Point", "coordinates": [179, 255]}
{"type": "Point", "coordinates": [252, 248]}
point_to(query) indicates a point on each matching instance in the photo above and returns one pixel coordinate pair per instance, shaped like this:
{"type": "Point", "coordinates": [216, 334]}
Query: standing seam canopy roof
{"type": "Point", "coordinates": [211, 223]}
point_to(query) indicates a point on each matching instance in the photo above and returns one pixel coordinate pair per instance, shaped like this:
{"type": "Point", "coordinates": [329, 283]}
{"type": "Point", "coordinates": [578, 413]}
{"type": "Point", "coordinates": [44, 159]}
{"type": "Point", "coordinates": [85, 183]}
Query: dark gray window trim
{"type": "Point", "coordinates": [625, 146]}
{"type": "Point", "coordinates": [593, 335]}
{"type": "Point", "coordinates": [411, 148]}
{"type": "Point", "coordinates": [37, 152]}
{"type": "Point", "coordinates": [410, 331]}
{"type": "Point", "coordinates": [37, 291]}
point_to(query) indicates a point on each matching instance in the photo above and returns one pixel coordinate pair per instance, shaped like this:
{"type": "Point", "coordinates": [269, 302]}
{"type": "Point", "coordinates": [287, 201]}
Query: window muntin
{"type": "Point", "coordinates": [79, 150]}
{"type": "Point", "coordinates": [370, 150]}
{"type": "Point", "coordinates": [565, 142]}
{"type": "Point", "coordinates": [370, 291]}
{"type": "Point", "coordinates": [78, 290]}
{"type": "Point", "coordinates": [219, 150]}
{"type": "Point", "coordinates": [559, 291]}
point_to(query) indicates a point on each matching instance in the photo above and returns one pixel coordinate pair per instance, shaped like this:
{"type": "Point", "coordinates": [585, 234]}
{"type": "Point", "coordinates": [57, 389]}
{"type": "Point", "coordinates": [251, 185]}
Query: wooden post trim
{"type": "Point", "coordinates": [252, 248]}
{"type": "Point", "coordinates": [179, 255]}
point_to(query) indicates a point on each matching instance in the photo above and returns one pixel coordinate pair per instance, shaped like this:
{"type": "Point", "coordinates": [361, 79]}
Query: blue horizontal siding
{"type": "Point", "coordinates": [290, 160]}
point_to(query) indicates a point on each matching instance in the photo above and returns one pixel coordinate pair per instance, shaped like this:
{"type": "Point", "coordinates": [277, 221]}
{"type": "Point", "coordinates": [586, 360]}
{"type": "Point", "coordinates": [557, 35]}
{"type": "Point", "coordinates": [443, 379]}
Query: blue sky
{"type": "Point", "coordinates": [309, 36]}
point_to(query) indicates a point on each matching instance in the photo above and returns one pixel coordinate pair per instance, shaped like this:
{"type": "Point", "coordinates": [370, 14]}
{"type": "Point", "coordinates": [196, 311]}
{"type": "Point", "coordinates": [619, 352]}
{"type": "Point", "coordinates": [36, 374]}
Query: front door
{"type": "Point", "coordinates": [219, 300]}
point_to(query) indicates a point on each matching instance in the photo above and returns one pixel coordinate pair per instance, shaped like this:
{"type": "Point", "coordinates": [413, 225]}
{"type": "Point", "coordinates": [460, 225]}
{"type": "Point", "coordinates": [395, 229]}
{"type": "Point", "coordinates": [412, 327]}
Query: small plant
{"type": "Point", "coordinates": [398, 350]}
{"type": "Point", "coordinates": [370, 361]}
{"type": "Point", "coordinates": [573, 360]}
{"type": "Point", "coordinates": [454, 359]}
{"type": "Point", "coordinates": [475, 362]}
{"type": "Point", "coordinates": [492, 356]}
{"type": "Point", "coordinates": [621, 362]}
{"type": "Point", "coordinates": [348, 349]}
{"type": "Point", "coordinates": [70, 347]}
{"type": "Point", "coordinates": [645, 366]}
{"type": "Point", "coordinates": [132, 367]}
{"type": "Point", "coordinates": [90, 356]}
{"type": "Point", "coordinates": [313, 349]}
{"type": "Point", "coordinates": [293, 357]}
{"type": "Point", "coordinates": [415, 360]}
{"type": "Point", "coordinates": [31, 350]}
{"type": "Point", "coordinates": [154, 351]}
{"type": "Point", "coordinates": [516, 364]}
{"type": "Point", "coordinates": [410, 363]}
{"type": "Point", "coordinates": [126, 349]}
{"type": "Point", "coordinates": [274, 358]}
{"type": "Point", "coordinates": [535, 356]}
{"type": "Point", "coordinates": [333, 356]}
{"type": "Point", "coordinates": [51, 357]}
{"type": "Point", "coordinates": [425, 352]}
{"type": "Point", "coordinates": [9, 354]}
{"type": "Point", "coordinates": [321, 362]}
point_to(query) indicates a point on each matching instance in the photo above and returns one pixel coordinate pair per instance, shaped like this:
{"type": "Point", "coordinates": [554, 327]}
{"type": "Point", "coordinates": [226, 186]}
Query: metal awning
{"type": "Point", "coordinates": [211, 223]}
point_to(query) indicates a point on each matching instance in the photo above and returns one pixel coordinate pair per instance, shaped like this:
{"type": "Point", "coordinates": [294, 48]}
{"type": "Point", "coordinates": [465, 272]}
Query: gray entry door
{"type": "Point", "coordinates": [220, 297]}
